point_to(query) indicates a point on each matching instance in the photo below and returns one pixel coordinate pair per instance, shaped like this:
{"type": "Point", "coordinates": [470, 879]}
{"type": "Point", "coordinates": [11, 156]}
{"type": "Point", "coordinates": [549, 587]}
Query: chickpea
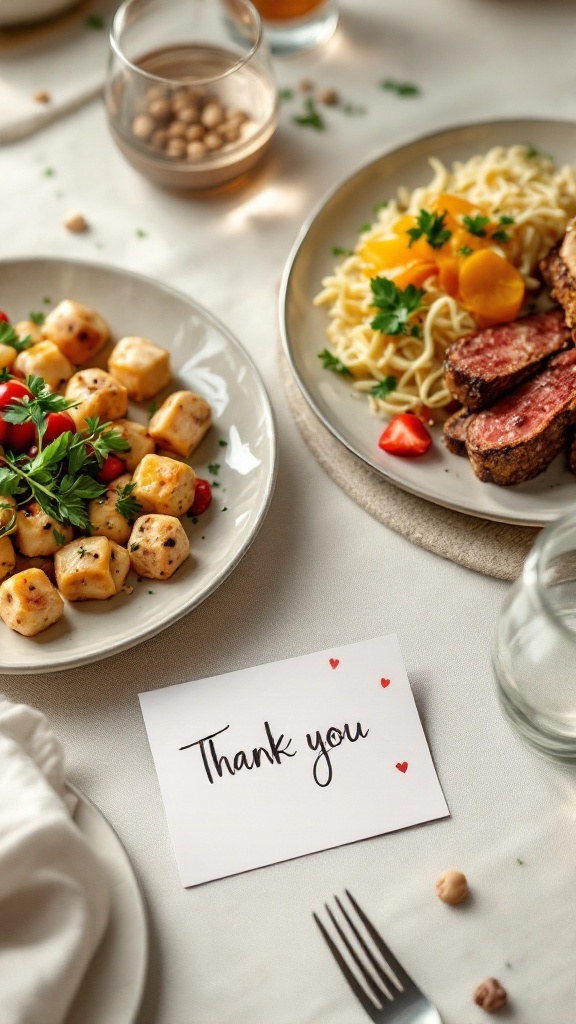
{"type": "Point", "coordinates": [160, 109]}
{"type": "Point", "coordinates": [143, 126]}
{"type": "Point", "coordinates": [490, 995]}
{"type": "Point", "coordinates": [212, 115]}
{"type": "Point", "coordinates": [176, 148]}
{"type": "Point", "coordinates": [195, 132]}
{"type": "Point", "coordinates": [195, 150]}
{"type": "Point", "coordinates": [176, 130]}
{"type": "Point", "coordinates": [213, 141]}
{"type": "Point", "coordinates": [159, 138]}
{"type": "Point", "coordinates": [189, 115]}
{"type": "Point", "coordinates": [452, 887]}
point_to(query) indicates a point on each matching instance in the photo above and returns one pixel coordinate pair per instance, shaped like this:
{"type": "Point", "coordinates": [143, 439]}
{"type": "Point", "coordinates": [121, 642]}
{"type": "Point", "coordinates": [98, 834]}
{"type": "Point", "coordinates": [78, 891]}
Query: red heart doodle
{"type": "Point", "coordinates": [384, 683]}
{"type": "Point", "coordinates": [402, 766]}
{"type": "Point", "coordinates": [334, 662]}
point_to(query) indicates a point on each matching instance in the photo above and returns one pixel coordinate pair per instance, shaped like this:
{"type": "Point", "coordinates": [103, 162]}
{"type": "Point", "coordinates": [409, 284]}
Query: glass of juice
{"type": "Point", "coordinates": [296, 25]}
{"type": "Point", "coordinates": [191, 98]}
{"type": "Point", "coordinates": [534, 654]}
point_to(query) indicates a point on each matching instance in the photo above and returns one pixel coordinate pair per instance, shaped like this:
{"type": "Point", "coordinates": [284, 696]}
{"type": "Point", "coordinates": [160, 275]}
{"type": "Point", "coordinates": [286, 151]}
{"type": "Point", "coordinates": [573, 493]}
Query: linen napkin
{"type": "Point", "coordinates": [48, 70]}
{"type": "Point", "coordinates": [54, 896]}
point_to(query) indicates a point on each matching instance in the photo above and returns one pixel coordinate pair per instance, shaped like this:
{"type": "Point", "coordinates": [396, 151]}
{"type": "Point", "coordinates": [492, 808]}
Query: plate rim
{"type": "Point", "coordinates": [76, 660]}
{"type": "Point", "coordinates": [389, 152]}
{"type": "Point", "coordinates": [93, 808]}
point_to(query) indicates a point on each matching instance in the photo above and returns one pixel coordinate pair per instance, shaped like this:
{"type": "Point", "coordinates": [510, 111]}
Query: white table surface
{"type": "Point", "coordinates": [245, 950]}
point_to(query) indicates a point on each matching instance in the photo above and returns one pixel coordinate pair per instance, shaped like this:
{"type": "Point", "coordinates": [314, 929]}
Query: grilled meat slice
{"type": "Point", "coordinates": [519, 436]}
{"type": "Point", "coordinates": [558, 269]}
{"type": "Point", "coordinates": [482, 366]}
{"type": "Point", "coordinates": [455, 429]}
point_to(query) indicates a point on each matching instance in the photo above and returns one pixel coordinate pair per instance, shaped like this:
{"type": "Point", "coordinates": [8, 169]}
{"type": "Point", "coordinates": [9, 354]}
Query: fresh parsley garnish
{"type": "Point", "coordinates": [352, 109]}
{"type": "Point", "coordinates": [222, 443]}
{"type": "Point", "coordinates": [37, 318]}
{"type": "Point", "coordinates": [476, 225]}
{"type": "Point", "coordinates": [9, 337]}
{"type": "Point", "coordinates": [364, 227]}
{"type": "Point", "coordinates": [10, 525]}
{"type": "Point", "coordinates": [535, 154]}
{"type": "Point", "coordinates": [152, 408]}
{"type": "Point", "coordinates": [59, 476]}
{"type": "Point", "coordinates": [59, 537]}
{"type": "Point", "coordinates": [380, 206]}
{"type": "Point", "coordinates": [126, 505]}
{"type": "Point", "coordinates": [400, 88]}
{"type": "Point", "coordinates": [311, 118]}
{"type": "Point", "coordinates": [134, 547]}
{"type": "Point", "coordinates": [49, 172]}
{"type": "Point", "coordinates": [140, 233]}
{"type": "Point", "coordinates": [432, 226]}
{"type": "Point", "coordinates": [339, 251]}
{"type": "Point", "coordinates": [95, 21]}
{"type": "Point", "coordinates": [395, 305]}
{"type": "Point", "coordinates": [214, 467]}
{"type": "Point", "coordinates": [384, 387]}
{"type": "Point", "coordinates": [285, 94]}
{"type": "Point", "coordinates": [506, 219]}
{"type": "Point", "coordinates": [37, 408]}
{"type": "Point", "coordinates": [465, 250]}
{"type": "Point", "coordinates": [330, 362]}
{"type": "Point", "coordinates": [500, 235]}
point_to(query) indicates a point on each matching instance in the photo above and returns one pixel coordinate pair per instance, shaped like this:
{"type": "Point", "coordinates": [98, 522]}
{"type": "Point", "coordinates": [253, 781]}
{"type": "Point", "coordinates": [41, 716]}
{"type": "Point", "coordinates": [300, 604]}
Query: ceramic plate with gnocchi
{"type": "Point", "coordinates": [194, 423]}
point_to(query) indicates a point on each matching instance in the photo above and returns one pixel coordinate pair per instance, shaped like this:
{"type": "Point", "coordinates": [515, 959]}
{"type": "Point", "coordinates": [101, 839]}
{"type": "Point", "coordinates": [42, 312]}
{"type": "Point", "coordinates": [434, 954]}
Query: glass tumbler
{"type": "Point", "coordinates": [534, 652]}
{"type": "Point", "coordinates": [191, 97]}
{"type": "Point", "coordinates": [293, 26]}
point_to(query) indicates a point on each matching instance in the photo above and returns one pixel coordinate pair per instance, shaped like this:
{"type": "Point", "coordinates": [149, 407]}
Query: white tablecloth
{"type": "Point", "coordinates": [245, 950]}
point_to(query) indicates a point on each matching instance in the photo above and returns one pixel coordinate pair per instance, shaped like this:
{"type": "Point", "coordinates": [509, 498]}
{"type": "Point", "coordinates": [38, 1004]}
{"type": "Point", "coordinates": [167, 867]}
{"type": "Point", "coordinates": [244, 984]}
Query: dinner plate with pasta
{"type": "Point", "coordinates": [424, 255]}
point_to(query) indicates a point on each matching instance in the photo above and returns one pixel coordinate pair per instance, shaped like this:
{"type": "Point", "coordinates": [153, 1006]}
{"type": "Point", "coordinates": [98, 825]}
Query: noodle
{"type": "Point", "coordinates": [514, 186]}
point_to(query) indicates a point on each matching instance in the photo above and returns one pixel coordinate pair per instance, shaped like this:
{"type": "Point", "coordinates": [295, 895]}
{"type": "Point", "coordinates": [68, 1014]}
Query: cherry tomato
{"type": "Point", "coordinates": [3, 318]}
{"type": "Point", "coordinates": [13, 389]}
{"type": "Point", "coordinates": [20, 436]}
{"type": "Point", "coordinates": [202, 497]}
{"type": "Point", "coordinates": [3, 431]}
{"type": "Point", "coordinates": [405, 435]}
{"type": "Point", "coordinates": [57, 423]}
{"type": "Point", "coordinates": [113, 467]}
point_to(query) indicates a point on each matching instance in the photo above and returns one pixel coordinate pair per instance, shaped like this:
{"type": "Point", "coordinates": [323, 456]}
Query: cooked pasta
{"type": "Point", "coordinates": [519, 204]}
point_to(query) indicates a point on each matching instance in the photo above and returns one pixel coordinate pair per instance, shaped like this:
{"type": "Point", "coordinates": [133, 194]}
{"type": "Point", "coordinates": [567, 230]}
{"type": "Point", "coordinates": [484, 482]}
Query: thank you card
{"type": "Point", "coordinates": [270, 763]}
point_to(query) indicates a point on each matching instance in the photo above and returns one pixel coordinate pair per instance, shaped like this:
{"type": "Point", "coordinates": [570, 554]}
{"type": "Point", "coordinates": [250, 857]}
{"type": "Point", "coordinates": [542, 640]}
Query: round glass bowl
{"type": "Point", "coordinates": [191, 98]}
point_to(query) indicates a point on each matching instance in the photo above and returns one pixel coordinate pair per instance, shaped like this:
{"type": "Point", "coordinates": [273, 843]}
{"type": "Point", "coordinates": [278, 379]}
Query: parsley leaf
{"type": "Point", "coordinates": [500, 235]}
{"type": "Point", "coordinates": [338, 251]}
{"type": "Point", "coordinates": [311, 118]}
{"type": "Point", "coordinates": [9, 337]}
{"type": "Point", "coordinates": [330, 362]}
{"type": "Point", "coordinates": [95, 21]}
{"type": "Point", "coordinates": [506, 219]}
{"type": "Point", "coordinates": [213, 467]}
{"type": "Point", "coordinates": [432, 226]}
{"type": "Point", "coordinates": [465, 250]}
{"type": "Point", "coordinates": [400, 88]}
{"type": "Point", "coordinates": [37, 408]}
{"type": "Point", "coordinates": [476, 225]}
{"type": "Point", "coordinates": [126, 505]}
{"type": "Point", "coordinates": [384, 387]}
{"type": "Point", "coordinates": [396, 305]}
{"type": "Point", "coordinates": [37, 318]}
{"type": "Point", "coordinates": [59, 537]}
{"type": "Point", "coordinates": [10, 525]}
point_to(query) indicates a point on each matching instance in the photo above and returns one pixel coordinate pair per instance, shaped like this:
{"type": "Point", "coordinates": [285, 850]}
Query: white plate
{"type": "Point", "coordinates": [206, 359]}
{"type": "Point", "coordinates": [439, 476]}
{"type": "Point", "coordinates": [111, 991]}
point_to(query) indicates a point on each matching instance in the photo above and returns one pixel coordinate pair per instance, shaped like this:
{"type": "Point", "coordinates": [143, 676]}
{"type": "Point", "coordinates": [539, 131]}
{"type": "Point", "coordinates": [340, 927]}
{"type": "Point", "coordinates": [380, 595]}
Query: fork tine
{"type": "Point", "coordinates": [367, 977]}
{"type": "Point", "coordinates": [388, 978]}
{"type": "Point", "coordinates": [404, 978]}
{"type": "Point", "coordinates": [356, 987]}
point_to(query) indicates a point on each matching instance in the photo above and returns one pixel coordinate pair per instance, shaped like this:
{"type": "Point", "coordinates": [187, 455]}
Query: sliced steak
{"type": "Point", "coordinates": [560, 281]}
{"type": "Point", "coordinates": [455, 429]}
{"type": "Point", "coordinates": [519, 436]}
{"type": "Point", "coordinates": [482, 366]}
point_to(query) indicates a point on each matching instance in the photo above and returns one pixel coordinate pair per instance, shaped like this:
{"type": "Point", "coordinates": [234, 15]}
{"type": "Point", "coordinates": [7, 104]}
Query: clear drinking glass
{"type": "Point", "coordinates": [293, 26]}
{"type": "Point", "coordinates": [191, 96]}
{"type": "Point", "coordinates": [534, 653]}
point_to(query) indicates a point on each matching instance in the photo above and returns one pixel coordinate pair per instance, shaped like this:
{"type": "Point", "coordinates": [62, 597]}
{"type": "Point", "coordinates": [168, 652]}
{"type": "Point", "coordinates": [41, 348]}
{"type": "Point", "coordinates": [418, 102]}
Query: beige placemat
{"type": "Point", "coordinates": [494, 549]}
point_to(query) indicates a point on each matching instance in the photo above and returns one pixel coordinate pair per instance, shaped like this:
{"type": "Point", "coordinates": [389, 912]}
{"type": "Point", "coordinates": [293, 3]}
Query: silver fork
{"type": "Point", "coordinates": [394, 998]}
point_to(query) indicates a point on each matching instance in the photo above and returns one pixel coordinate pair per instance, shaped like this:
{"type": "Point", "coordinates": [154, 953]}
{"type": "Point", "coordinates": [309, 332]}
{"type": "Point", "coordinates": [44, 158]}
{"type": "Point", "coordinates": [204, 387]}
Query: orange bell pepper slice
{"type": "Point", "coordinates": [383, 255]}
{"type": "Point", "coordinates": [416, 274]}
{"type": "Point", "coordinates": [490, 287]}
{"type": "Point", "coordinates": [456, 208]}
{"type": "Point", "coordinates": [449, 277]}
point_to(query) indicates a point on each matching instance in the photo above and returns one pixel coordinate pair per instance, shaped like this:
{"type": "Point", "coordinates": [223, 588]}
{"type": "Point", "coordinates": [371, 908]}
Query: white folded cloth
{"type": "Point", "coordinates": [54, 895]}
{"type": "Point", "coordinates": [69, 67]}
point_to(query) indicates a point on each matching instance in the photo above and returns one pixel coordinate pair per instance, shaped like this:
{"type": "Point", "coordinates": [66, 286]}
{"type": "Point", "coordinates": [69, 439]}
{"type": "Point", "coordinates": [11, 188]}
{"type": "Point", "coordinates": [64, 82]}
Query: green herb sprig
{"type": "Point", "coordinates": [330, 362]}
{"type": "Point", "coordinates": [9, 337]}
{"type": "Point", "coordinates": [395, 305]}
{"type": "Point", "coordinates": [432, 226]}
